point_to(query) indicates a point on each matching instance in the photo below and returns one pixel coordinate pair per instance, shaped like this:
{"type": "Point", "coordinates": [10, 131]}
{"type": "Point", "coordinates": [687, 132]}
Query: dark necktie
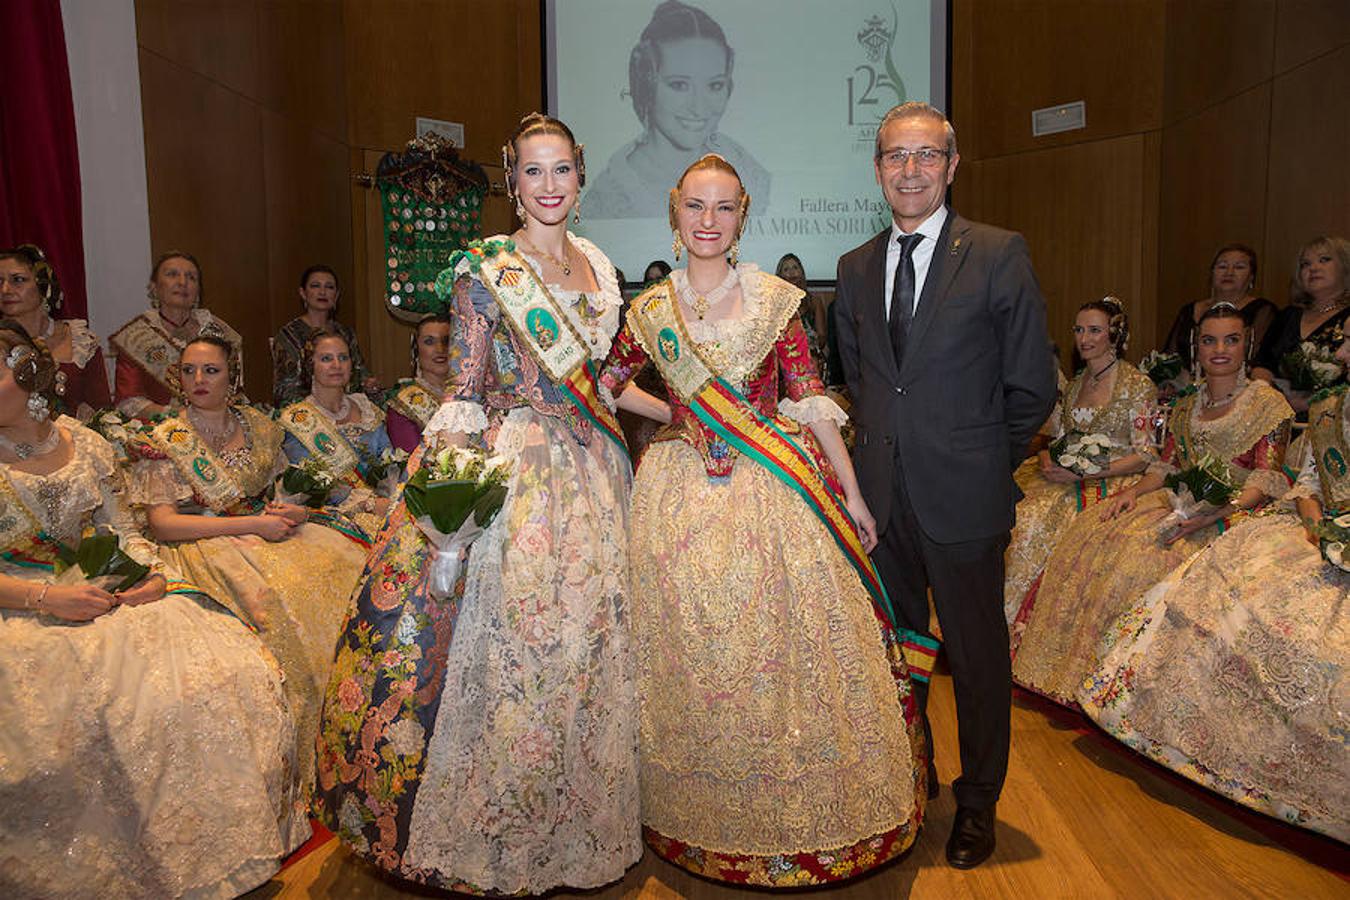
{"type": "Point", "coordinates": [902, 295]}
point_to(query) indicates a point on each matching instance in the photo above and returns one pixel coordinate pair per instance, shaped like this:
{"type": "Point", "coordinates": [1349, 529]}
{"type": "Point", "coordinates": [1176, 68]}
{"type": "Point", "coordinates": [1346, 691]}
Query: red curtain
{"type": "Point", "coordinates": [39, 158]}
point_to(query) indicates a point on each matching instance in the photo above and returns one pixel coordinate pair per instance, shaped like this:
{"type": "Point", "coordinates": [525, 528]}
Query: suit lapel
{"type": "Point", "coordinates": [874, 301]}
{"type": "Point", "coordinates": [952, 245]}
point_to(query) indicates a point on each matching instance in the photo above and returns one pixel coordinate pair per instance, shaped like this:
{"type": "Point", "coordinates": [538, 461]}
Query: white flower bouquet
{"type": "Point", "coordinates": [453, 498]}
{"type": "Point", "coordinates": [1311, 367]}
{"type": "Point", "coordinates": [1333, 536]}
{"type": "Point", "coordinates": [1086, 455]}
{"type": "Point", "coordinates": [1195, 491]}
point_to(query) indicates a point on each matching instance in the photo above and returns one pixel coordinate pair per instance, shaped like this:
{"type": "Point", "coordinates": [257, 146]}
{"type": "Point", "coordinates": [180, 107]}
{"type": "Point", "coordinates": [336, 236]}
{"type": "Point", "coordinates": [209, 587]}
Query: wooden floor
{"type": "Point", "coordinates": [1079, 817]}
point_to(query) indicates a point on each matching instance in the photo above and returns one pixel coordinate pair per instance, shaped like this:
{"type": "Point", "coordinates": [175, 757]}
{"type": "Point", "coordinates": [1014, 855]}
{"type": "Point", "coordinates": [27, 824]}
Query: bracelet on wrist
{"type": "Point", "coordinates": [28, 602]}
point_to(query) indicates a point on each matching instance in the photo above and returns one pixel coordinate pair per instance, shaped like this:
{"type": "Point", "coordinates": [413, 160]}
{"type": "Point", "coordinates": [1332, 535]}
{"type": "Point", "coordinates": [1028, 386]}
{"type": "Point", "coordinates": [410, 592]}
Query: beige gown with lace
{"type": "Point", "coordinates": [148, 752]}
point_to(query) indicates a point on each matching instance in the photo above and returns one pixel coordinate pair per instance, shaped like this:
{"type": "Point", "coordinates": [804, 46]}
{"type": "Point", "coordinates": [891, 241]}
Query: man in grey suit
{"type": "Point", "coordinates": [943, 342]}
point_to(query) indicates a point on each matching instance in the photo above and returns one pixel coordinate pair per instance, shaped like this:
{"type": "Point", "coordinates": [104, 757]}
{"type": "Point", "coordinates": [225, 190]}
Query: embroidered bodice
{"type": "Point", "coordinates": [492, 372]}
{"type": "Point", "coordinates": [763, 354]}
{"type": "Point", "coordinates": [250, 470]}
{"type": "Point", "coordinates": [1324, 470]}
{"type": "Point", "coordinates": [87, 491]}
{"type": "Point", "coordinates": [1250, 439]}
{"type": "Point", "coordinates": [1124, 418]}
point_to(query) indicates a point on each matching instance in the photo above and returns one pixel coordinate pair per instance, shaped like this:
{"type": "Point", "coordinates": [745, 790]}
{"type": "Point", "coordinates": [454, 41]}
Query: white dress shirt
{"type": "Point", "coordinates": [931, 228]}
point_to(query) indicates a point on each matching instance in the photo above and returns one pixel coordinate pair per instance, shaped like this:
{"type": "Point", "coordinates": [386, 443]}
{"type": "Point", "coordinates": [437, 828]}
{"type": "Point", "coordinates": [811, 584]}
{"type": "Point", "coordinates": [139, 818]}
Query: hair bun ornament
{"type": "Point", "coordinates": [1114, 302]}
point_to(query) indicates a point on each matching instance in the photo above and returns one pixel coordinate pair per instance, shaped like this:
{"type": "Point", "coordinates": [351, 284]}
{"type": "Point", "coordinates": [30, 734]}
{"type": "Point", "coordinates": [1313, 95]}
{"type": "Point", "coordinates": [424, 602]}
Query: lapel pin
{"type": "Point", "coordinates": [956, 245]}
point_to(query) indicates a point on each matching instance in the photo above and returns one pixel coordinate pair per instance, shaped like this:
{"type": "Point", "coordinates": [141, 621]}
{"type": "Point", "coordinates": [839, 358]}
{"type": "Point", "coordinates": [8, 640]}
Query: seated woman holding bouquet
{"type": "Point", "coordinates": [343, 432]}
{"type": "Point", "coordinates": [135, 714]}
{"type": "Point", "coordinates": [1233, 670]}
{"type": "Point", "coordinates": [30, 293]}
{"type": "Point", "coordinates": [202, 479]}
{"type": "Point", "coordinates": [1100, 443]}
{"type": "Point", "coordinates": [1297, 353]}
{"type": "Point", "coordinates": [1225, 443]}
{"type": "Point", "coordinates": [147, 347]}
{"type": "Point", "coordinates": [413, 401]}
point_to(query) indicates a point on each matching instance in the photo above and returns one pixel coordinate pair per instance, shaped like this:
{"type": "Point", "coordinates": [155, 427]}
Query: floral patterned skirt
{"type": "Point", "coordinates": [778, 736]}
{"type": "Point", "coordinates": [1098, 570]}
{"type": "Point", "coordinates": [147, 753]}
{"type": "Point", "coordinates": [1232, 672]}
{"type": "Point", "coordinates": [486, 743]}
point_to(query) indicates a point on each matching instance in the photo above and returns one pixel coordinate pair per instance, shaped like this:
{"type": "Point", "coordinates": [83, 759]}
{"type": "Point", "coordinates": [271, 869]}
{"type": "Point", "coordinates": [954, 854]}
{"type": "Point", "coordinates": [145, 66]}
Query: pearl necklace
{"type": "Point", "coordinates": [1208, 402]}
{"type": "Point", "coordinates": [343, 411]}
{"type": "Point", "coordinates": [215, 439]}
{"type": "Point", "coordinates": [699, 302]}
{"type": "Point", "coordinates": [25, 450]}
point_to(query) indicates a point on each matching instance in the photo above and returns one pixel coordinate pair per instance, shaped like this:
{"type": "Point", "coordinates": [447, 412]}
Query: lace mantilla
{"type": "Point", "coordinates": [812, 409]}
{"type": "Point", "coordinates": [458, 417]}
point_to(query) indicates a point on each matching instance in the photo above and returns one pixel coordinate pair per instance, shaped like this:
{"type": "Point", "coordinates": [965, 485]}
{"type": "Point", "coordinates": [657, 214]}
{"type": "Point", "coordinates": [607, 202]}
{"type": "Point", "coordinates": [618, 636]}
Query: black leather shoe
{"type": "Point", "coordinates": [934, 786]}
{"type": "Point", "coordinates": [972, 840]}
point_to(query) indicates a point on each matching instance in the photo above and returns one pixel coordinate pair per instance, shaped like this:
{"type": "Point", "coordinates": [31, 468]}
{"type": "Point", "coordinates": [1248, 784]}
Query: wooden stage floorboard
{"type": "Point", "coordinates": [1080, 817]}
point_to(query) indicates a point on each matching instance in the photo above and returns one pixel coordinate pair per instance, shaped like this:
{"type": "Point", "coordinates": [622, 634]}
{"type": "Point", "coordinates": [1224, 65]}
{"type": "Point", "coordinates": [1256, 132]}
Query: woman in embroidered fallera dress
{"type": "Point", "coordinates": [146, 347]}
{"type": "Point", "coordinates": [344, 430]}
{"type": "Point", "coordinates": [1233, 670]}
{"type": "Point", "coordinates": [1106, 560]}
{"type": "Point", "coordinates": [319, 295]}
{"type": "Point", "coordinates": [779, 742]}
{"type": "Point", "coordinates": [30, 293]}
{"type": "Point", "coordinates": [1109, 397]}
{"type": "Point", "coordinates": [145, 744]}
{"type": "Point", "coordinates": [202, 479]}
{"type": "Point", "coordinates": [486, 741]}
{"type": "Point", "coordinates": [413, 401]}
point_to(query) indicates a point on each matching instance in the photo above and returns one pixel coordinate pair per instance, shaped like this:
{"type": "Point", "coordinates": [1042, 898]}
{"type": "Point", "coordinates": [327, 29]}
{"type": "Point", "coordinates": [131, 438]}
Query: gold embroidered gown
{"type": "Point", "coordinates": [1099, 569]}
{"type": "Point", "coordinates": [148, 752]}
{"type": "Point", "coordinates": [778, 745]}
{"type": "Point", "coordinates": [1047, 508]}
{"type": "Point", "coordinates": [295, 591]}
{"type": "Point", "coordinates": [1232, 671]}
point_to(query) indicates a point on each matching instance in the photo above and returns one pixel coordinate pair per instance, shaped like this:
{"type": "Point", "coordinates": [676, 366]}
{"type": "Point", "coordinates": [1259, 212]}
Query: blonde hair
{"type": "Point", "coordinates": [713, 162]}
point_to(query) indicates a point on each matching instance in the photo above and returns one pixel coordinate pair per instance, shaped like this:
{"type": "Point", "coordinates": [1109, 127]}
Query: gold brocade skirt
{"type": "Point", "coordinates": [770, 721]}
{"type": "Point", "coordinates": [1097, 571]}
{"type": "Point", "coordinates": [1043, 514]}
{"type": "Point", "coordinates": [296, 592]}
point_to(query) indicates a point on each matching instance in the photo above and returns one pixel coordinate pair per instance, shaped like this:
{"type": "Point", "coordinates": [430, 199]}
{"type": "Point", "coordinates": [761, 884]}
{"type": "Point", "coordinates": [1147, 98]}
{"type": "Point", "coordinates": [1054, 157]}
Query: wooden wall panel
{"type": "Point", "coordinates": [1084, 211]}
{"type": "Point", "coordinates": [1309, 28]}
{"type": "Point", "coordinates": [1215, 50]}
{"type": "Point", "coordinates": [302, 64]}
{"type": "Point", "coordinates": [308, 221]}
{"type": "Point", "coordinates": [203, 147]}
{"type": "Point", "coordinates": [469, 61]}
{"type": "Point", "coordinates": [1213, 191]}
{"type": "Point", "coordinates": [215, 38]}
{"type": "Point", "coordinates": [1034, 53]}
{"type": "Point", "coordinates": [1309, 180]}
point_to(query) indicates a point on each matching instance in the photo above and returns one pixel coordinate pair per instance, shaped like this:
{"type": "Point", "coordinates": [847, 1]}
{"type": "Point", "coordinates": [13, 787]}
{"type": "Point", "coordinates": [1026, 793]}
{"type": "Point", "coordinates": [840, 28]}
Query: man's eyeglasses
{"type": "Point", "coordinates": [926, 158]}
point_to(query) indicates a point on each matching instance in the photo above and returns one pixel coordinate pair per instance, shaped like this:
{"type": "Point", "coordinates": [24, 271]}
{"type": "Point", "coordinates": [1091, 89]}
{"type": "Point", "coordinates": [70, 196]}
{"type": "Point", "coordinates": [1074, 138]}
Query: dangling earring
{"type": "Point", "coordinates": [576, 213]}
{"type": "Point", "coordinates": [676, 245]}
{"type": "Point", "coordinates": [735, 251]}
{"type": "Point", "coordinates": [520, 211]}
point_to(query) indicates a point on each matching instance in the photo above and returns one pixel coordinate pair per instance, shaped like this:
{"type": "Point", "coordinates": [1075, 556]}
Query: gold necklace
{"type": "Point", "coordinates": [558, 263]}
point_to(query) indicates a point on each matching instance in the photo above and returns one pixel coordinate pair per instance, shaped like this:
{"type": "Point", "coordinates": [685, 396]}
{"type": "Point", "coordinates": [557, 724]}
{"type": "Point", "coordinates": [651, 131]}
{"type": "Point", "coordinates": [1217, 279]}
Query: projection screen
{"type": "Point", "coordinates": [789, 91]}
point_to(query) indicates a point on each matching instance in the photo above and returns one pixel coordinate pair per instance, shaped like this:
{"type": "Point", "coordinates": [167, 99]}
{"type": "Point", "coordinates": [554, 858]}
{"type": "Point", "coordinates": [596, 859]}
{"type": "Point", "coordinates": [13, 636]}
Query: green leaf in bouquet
{"type": "Point", "coordinates": [99, 555]}
{"type": "Point", "coordinates": [1205, 481]}
{"type": "Point", "coordinates": [489, 503]}
{"type": "Point", "coordinates": [296, 480]}
{"type": "Point", "coordinates": [446, 502]}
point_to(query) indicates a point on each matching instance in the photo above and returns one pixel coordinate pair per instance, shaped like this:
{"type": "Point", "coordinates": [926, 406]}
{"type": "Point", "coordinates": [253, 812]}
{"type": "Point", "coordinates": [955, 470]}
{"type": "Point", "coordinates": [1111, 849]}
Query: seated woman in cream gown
{"type": "Point", "coordinates": [146, 747]}
{"type": "Point", "coordinates": [779, 742]}
{"type": "Point", "coordinates": [202, 481]}
{"type": "Point", "coordinates": [1105, 561]}
{"type": "Point", "coordinates": [1232, 671]}
{"type": "Point", "coordinates": [1108, 397]}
